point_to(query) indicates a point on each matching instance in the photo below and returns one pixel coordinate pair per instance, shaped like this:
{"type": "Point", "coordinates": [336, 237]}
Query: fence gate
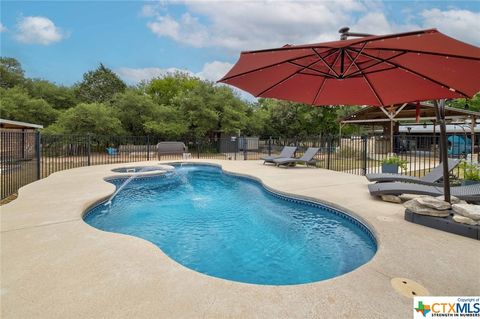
{"type": "Point", "coordinates": [19, 159]}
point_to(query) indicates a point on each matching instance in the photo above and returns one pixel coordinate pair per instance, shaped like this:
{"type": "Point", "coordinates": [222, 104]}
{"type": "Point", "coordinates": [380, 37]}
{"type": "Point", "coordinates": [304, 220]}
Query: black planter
{"type": "Point", "coordinates": [390, 168]}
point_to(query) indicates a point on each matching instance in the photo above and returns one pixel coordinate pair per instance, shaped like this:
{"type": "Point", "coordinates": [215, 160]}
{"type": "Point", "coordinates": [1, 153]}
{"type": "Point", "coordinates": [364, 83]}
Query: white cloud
{"type": "Point", "coordinates": [460, 24]}
{"type": "Point", "coordinates": [38, 30]}
{"type": "Point", "coordinates": [148, 10]}
{"type": "Point", "coordinates": [373, 23]}
{"type": "Point", "coordinates": [241, 25]}
{"type": "Point", "coordinates": [211, 71]}
{"type": "Point", "coordinates": [2, 27]}
{"type": "Point", "coordinates": [214, 71]}
{"type": "Point", "coordinates": [187, 30]}
{"type": "Point", "coordinates": [249, 25]}
{"type": "Point", "coordinates": [134, 75]}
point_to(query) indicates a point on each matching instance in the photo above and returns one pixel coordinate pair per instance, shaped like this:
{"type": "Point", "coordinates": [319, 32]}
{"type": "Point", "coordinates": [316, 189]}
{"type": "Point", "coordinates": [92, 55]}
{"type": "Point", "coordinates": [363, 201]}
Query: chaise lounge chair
{"type": "Point", "coordinates": [469, 192]}
{"type": "Point", "coordinates": [432, 178]}
{"type": "Point", "coordinates": [287, 152]}
{"type": "Point", "coordinates": [307, 158]}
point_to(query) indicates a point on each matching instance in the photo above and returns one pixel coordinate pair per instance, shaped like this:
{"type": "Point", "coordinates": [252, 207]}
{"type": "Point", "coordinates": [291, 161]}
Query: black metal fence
{"type": "Point", "coordinates": [27, 156]}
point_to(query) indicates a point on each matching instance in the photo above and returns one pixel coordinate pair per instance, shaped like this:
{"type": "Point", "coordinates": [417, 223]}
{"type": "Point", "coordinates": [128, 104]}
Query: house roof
{"type": "Point", "coordinates": [405, 112]}
{"type": "Point", "coordinates": [18, 125]}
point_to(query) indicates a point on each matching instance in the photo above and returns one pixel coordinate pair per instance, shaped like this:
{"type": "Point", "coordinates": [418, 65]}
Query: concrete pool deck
{"type": "Point", "coordinates": [54, 265]}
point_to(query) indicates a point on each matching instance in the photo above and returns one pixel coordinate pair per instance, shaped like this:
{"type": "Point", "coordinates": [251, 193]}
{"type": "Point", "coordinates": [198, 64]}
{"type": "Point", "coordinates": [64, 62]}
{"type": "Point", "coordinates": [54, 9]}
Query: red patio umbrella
{"type": "Point", "coordinates": [370, 70]}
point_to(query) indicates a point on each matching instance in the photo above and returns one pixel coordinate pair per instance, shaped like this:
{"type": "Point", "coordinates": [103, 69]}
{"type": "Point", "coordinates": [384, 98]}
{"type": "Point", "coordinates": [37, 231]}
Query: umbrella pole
{"type": "Point", "coordinates": [440, 114]}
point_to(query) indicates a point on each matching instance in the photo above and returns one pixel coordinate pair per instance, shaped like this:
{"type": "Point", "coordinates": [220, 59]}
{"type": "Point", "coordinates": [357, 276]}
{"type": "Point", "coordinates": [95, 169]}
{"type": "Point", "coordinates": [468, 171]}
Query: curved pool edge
{"type": "Point", "coordinates": [346, 213]}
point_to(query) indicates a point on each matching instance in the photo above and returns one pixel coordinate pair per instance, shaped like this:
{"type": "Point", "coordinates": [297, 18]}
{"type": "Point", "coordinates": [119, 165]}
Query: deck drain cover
{"type": "Point", "coordinates": [408, 288]}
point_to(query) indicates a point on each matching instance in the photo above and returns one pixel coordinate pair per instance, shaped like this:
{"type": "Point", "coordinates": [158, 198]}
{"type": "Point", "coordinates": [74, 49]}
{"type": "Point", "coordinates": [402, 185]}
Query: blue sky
{"type": "Point", "coordinates": [60, 40]}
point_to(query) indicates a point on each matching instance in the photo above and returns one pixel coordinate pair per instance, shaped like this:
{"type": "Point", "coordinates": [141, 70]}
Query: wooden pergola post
{"type": "Point", "coordinates": [472, 134]}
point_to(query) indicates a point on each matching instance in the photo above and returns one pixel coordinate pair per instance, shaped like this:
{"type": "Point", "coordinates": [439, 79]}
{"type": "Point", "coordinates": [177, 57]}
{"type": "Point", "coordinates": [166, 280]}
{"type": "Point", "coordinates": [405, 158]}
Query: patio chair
{"type": "Point", "coordinates": [307, 158]}
{"type": "Point", "coordinates": [287, 152]}
{"type": "Point", "coordinates": [432, 178]}
{"type": "Point", "coordinates": [469, 193]}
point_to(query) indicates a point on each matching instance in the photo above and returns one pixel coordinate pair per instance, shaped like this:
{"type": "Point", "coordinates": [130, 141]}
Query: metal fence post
{"type": "Point", "coordinates": [329, 146]}
{"type": "Point", "coordinates": [88, 150]}
{"type": "Point", "coordinates": [148, 147]}
{"type": "Point", "coordinates": [38, 154]}
{"type": "Point", "coordinates": [365, 153]}
{"type": "Point", "coordinates": [237, 140]}
{"type": "Point", "coordinates": [270, 146]}
{"type": "Point", "coordinates": [198, 149]}
{"type": "Point", "coordinates": [245, 148]}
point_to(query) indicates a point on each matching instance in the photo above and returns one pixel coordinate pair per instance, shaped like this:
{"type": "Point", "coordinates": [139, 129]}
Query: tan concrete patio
{"type": "Point", "coordinates": [54, 265]}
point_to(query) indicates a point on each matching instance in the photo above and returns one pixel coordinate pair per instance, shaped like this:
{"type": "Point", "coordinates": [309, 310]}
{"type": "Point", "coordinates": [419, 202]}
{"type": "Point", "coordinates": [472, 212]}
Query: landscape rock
{"type": "Point", "coordinates": [464, 220]}
{"type": "Point", "coordinates": [432, 202]}
{"type": "Point", "coordinates": [467, 210]}
{"type": "Point", "coordinates": [407, 197]}
{"type": "Point", "coordinates": [391, 199]}
{"type": "Point", "coordinates": [453, 199]}
{"type": "Point", "coordinates": [417, 207]}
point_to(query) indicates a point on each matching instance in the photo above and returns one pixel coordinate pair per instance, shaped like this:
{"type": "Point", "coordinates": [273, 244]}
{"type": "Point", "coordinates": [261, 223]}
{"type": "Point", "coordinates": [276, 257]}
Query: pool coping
{"type": "Point", "coordinates": [195, 295]}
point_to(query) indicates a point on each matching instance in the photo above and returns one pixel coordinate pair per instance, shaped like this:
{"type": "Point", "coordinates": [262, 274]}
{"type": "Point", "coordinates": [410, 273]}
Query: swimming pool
{"type": "Point", "coordinates": [233, 228]}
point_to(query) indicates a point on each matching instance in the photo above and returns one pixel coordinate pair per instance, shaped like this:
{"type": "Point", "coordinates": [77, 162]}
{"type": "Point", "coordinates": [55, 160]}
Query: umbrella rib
{"type": "Point", "coordinates": [375, 64]}
{"type": "Point", "coordinates": [431, 53]}
{"type": "Point", "coordinates": [325, 62]}
{"type": "Point", "coordinates": [309, 68]}
{"type": "Point", "coordinates": [319, 90]}
{"type": "Point", "coordinates": [368, 81]}
{"type": "Point", "coordinates": [413, 72]}
{"type": "Point", "coordinates": [285, 79]}
{"type": "Point", "coordinates": [267, 66]}
{"type": "Point", "coordinates": [358, 54]}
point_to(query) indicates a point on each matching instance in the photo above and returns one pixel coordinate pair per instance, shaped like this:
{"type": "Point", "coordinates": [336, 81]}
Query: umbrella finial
{"type": "Point", "coordinates": [344, 33]}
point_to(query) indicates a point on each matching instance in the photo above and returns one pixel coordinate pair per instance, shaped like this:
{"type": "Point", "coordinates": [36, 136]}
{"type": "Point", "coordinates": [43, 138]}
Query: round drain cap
{"type": "Point", "coordinates": [408, 288]}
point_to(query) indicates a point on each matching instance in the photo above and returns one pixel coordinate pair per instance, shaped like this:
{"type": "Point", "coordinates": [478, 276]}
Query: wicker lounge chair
{"type": "Point", "coordinates": [287, 152]}
{"type": "Point", "coordinates": [307, 158]}
{"type": "Point", "coordinates": [432, 178]}
{"type": "Point", "coordinates": [469, 193]}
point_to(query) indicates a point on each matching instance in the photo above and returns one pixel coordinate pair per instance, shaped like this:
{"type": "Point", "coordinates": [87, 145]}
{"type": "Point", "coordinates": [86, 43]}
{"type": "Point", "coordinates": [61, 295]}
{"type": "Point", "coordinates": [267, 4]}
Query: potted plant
{"type": "Point", "coordinates": [471, 173]}
{"type": "Point", "coordinates": [392, 163]}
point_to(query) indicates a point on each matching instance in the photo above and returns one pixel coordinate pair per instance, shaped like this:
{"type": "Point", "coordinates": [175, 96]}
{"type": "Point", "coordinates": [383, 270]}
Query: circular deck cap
{"type": "Point", "coordinates": [408, 287]}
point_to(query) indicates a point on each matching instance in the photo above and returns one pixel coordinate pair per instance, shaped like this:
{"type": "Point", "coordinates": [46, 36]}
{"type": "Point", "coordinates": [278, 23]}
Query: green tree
{"type": "Point", "coordinates": [200, 105]}
{"type": "Point", "coordinates": [166, 122]}
{"type": "Point", "coordinates": [165, 88]}
{"type": "Point", "coordinates": [95, 118]}
{"type": "Point", "coordinates": [17, 105]}
{"type": "Point", "coordinates": [289, 119]}
{"type": "Point", "coordinates": [59, 97]}
{"type": "Point", "coordinates": [472, 104]}
{"type": "Point", "coordinates": [134, 109]}
{"type": "Point", "coordinates": [11, 73]}
{"type": "Point", "coordinates": [99, 85]}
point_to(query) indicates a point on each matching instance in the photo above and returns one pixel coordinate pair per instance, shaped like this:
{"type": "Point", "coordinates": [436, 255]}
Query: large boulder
{"type": "Point", "coordinates": [432, 202]}
{"type": "Point", "coordinates": [464, 220]}
{"type": "Point", "coordinates": [467, 210]}
{"type": "Point", "coordinates": [426, 206]}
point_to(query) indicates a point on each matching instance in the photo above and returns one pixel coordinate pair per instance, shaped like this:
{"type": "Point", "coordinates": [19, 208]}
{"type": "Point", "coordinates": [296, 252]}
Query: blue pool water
{"type": "Point", "coordinates": [232, 228]}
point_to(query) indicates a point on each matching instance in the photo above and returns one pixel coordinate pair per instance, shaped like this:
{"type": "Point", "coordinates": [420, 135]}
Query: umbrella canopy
{"type": "Point", "coordinates": [372, 70]}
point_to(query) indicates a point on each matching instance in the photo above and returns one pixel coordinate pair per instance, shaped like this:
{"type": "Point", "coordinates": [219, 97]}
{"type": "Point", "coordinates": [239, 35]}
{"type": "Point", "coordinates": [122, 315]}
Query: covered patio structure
{"type": "Point", "coordinates": [420, 119]}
